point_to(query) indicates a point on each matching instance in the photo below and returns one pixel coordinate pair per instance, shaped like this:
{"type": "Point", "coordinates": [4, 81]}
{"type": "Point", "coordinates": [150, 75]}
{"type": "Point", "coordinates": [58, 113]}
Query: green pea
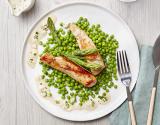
{"type": "Point", "coordinates": [63, 97]}
{"type": "Point", "coordinates": [55, 85]}
{"type": "Point", "coordinates": [77, 91]}
{"type": "Point", "coordinates": [96, 92]}
{"type": "Point", "coordinates": [67, 43]}
{"type": "Point", "coordinates": [107, 90]}
{"type": "Point", "coordinates": [59, 91]}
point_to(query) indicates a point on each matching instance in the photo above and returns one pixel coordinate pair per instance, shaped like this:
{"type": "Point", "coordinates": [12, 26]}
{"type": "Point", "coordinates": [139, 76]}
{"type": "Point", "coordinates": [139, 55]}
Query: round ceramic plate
{"type": "Point", "coordinates": [112, 24]}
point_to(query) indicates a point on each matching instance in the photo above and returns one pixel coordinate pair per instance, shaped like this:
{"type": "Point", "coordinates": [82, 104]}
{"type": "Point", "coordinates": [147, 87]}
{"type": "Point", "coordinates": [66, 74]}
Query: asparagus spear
{"type": "Point", "coordinates": [52, 29]}
{"type": "Point", "coordinates": [85, 52]}
{"type": "Point", "coordinates": [51, 25]}
{"type": "Point", "coordinates": [78, 61]}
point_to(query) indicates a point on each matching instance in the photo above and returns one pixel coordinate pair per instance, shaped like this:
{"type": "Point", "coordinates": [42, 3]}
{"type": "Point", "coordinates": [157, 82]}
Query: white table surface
{"type": "Point", "coordinates": [16, 105]}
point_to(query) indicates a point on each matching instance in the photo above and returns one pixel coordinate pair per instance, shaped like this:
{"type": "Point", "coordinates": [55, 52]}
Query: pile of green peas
{"type": "Point", "coordinates": [68, 88]}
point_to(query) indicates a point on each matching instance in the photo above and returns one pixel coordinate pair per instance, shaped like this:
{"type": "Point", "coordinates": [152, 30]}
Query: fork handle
{"type": "Point", "coordinates": [132, 113]}
{"type": "Point", "coordinates": [131, 108]}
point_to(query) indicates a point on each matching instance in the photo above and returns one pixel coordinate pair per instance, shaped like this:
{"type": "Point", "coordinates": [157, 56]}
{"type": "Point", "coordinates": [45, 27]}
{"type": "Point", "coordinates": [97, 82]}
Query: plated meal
{"type": "Point", "coordinates": [69, 61]}
{"type": "Point", "coordinates": [78, 61]}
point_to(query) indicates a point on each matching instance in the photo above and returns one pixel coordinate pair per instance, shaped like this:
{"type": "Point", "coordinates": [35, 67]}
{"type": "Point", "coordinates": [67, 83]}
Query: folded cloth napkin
{"type": "Point", "coordinates": [141, 94]}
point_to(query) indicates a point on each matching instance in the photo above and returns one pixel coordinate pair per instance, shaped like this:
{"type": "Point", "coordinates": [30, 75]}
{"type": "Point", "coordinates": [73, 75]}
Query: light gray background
{"type": "Point", "coordinates": [16, 105]}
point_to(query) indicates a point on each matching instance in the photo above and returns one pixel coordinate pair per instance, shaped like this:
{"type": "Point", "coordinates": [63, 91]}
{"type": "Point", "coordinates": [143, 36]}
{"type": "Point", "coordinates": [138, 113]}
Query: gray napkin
{"type": "Point", "coordinates": [141, 94]}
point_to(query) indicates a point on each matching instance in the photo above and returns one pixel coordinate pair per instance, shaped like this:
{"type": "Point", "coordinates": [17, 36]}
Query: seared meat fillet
{"type": "Point", "coordinates": [85, 42]}
{"type": "Point", "coordinates": [68, 67]}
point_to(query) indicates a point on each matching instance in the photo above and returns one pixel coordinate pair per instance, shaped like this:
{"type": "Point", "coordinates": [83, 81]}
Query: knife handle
{"type": "Point", "coordinates": [151, 106]}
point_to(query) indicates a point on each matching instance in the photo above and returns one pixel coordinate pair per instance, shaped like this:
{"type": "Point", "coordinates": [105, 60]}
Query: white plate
{"type": "Point", "coordinates": [111, 23]}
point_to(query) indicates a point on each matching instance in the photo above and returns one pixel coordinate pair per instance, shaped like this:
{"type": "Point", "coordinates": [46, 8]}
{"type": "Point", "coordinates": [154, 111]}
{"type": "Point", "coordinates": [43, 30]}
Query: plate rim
{"type": "Point", "coordinates": [26, 83]}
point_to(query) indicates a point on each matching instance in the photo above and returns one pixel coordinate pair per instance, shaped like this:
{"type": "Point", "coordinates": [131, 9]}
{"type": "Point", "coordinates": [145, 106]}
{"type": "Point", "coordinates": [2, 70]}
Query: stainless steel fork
{"type": "Point", "coordinates": [126, 77]}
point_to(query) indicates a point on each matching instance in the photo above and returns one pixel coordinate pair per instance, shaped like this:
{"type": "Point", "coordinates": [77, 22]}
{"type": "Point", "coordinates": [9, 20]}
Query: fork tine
{"type": "Point", "coordinates": [119, 63]}
{"type": "Point", "coordinates": [127, 63]}
{"type": "Point", "coordinates": [122, 62]}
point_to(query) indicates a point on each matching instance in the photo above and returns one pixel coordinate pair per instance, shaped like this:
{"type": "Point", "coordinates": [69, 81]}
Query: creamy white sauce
{"type": "Point", "coordinates": [33, 50]}
{"type": "Point", "coordinates": [52, 95]}
{"type": "Point", "coordinates": [39, 34]}
{"type": "Point", "coordinates": [33, 53]}
{"type": "Point", "coordinates": [43, 89]}
{"type": "Point", "coordinates": [18, 6]}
